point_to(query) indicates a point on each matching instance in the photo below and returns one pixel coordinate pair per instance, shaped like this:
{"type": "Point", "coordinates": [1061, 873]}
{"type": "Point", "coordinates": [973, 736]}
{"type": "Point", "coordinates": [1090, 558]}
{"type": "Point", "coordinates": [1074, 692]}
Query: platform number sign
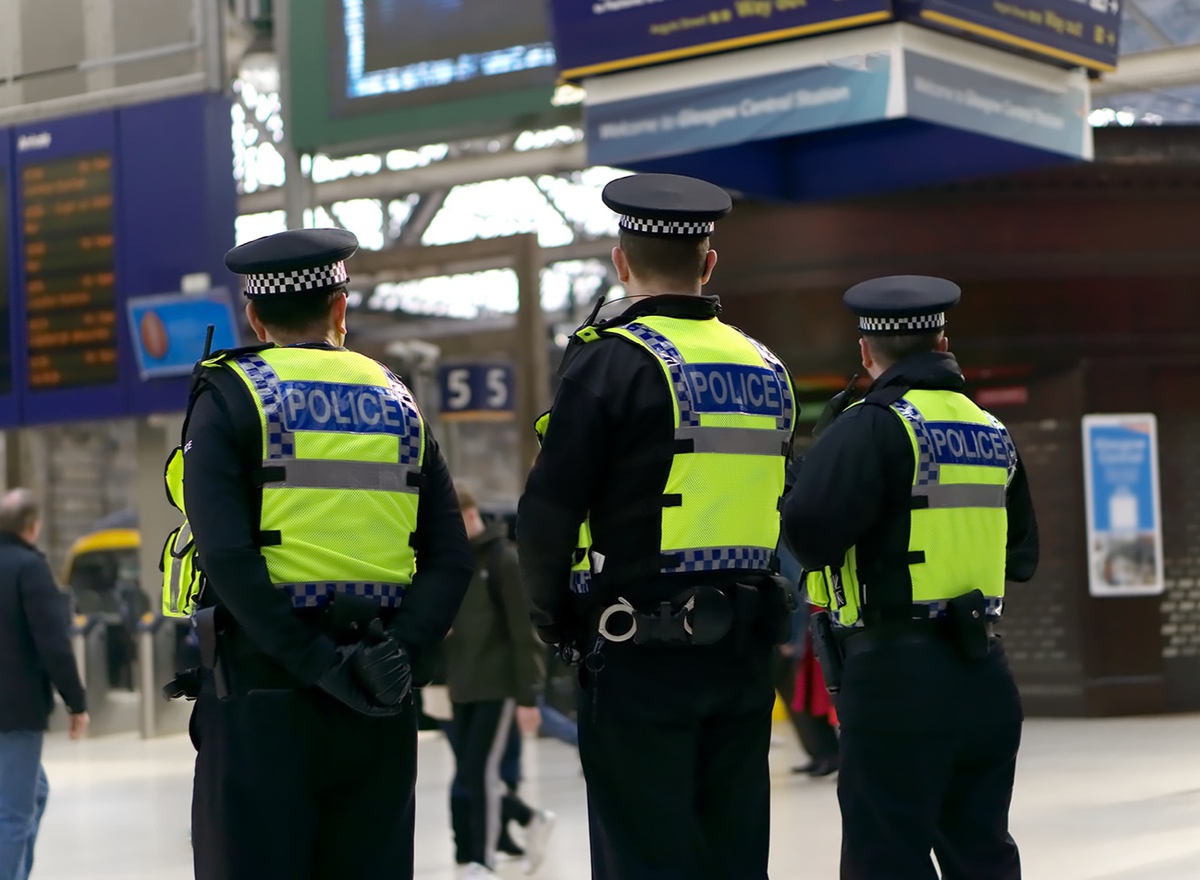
{"type": "Point", "coordinates": [477, 391]}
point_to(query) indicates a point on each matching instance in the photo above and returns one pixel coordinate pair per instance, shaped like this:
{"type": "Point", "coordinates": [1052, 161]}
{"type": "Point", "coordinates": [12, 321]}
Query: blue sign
{"type": "Point", "coordinates": [477, 391]}
{"type": "Point", "coordinates": [1123, 517]}
{"type": "Point", "coordinates": [103, 209]}
{"type": "Point", "coordinates": [600, 36]}
{"type": "Point", "coordinates": [168, 332]}
{"type": "Point", "coordinates": [692, 120]}
{"type": "Point", "coordinates": [593, 37]}
{"type": "Point", "coordinates": [1077, 32]}
{"type": "Point", "coordinates": [959, 97]}
{"type": "Point", "coordinates": [889, 117]}
{"type": "Point", "coordinates": [734, 388]}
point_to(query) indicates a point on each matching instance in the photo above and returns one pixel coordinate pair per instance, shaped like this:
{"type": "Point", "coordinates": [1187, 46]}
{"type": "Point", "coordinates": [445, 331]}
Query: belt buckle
{"type": "Point", "coordinates": [622, 606]}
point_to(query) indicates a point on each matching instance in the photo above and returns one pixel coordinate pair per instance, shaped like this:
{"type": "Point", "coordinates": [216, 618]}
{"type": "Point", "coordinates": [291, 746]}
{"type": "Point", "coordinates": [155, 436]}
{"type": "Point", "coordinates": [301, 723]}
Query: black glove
{"type": "Point", "coordinates": [382, 667]}
{"type": "Point", "coordinates": [341, 681]}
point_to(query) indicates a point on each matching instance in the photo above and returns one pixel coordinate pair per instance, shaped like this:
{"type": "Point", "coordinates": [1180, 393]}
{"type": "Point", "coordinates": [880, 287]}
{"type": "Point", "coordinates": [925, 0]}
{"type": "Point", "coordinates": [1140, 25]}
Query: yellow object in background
{"type": "Point", "coordinates": [780, 712]}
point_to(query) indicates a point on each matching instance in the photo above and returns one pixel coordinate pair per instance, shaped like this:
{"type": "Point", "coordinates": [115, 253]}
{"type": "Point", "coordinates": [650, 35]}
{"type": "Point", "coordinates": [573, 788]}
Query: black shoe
{"type": "Point", "coordinates": [508, 846]}
{"type": "Point", "coordinates": [824, 767]}
{"type": "Point", "coordinates": [805, 768]}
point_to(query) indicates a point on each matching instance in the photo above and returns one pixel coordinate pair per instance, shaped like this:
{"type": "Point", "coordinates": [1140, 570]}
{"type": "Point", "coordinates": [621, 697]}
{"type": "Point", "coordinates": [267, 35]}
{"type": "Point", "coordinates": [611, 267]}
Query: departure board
{"type": "Point", "coordinates": [70, 271]}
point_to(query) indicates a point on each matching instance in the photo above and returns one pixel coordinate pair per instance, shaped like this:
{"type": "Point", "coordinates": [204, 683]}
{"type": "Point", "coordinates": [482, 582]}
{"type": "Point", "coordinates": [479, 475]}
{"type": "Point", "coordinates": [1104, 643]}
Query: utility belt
{"type": "Point", "coordinates": [862, 640]}
{"type": "Point", "coordinates": [968, 622]}
{"type": "Point", "coordinates": [760, 610]}
{"type": "Point", "coordinates": [234, 666]}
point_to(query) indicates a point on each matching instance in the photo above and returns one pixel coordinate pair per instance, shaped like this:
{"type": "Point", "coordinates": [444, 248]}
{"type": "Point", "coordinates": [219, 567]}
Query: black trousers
{"type": "Point", "coordinates": [674, 747]}
{"type": "Point", "coordinates": [481, 804]}
{"type": "Point", "coordinates": [928, 754]}
{"type": "Point", "coordinates": [290, 785]}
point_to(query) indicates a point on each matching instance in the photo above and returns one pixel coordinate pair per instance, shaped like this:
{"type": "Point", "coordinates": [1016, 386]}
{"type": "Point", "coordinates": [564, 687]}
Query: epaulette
{"type": "Point", "coordinates": [226, 354]}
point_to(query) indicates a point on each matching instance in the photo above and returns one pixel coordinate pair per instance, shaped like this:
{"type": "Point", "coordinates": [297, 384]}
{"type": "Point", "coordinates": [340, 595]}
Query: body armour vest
{"type": "Point", "coordinates": [964, 461]}
{"type": "Point", "coordinates": [733, 413]}
{"type": "Point", "coordinates": [343, 444]}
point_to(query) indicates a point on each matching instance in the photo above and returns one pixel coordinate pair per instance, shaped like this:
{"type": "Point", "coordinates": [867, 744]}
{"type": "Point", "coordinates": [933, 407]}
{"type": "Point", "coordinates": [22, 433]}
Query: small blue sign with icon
{"type": "Point", "coordinates": [1125, 550]}
{"type": "Point", "coordinates": [168, 331]}
{"type": "Point", "coordinates": [477, 391]}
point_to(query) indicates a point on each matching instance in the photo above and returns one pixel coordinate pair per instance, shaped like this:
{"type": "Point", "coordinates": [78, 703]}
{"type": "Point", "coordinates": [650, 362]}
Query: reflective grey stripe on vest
{"type": "Point", "coordinates": [312, 473]}
{"type": "Point", "coordinates": [177, 575]}
{"type": "Point", "coordinates": [180, 547]}
{"type": "Point", "coordinates": [314, 595]}
{"type": "Point", "coordinates": [927, 483]}
{"type": "Point", "coordinates": [183, 541]}
{"type": "Point", "coordinates": [735, 441]}
{"type": "Point", "coordinates": [963, 495]}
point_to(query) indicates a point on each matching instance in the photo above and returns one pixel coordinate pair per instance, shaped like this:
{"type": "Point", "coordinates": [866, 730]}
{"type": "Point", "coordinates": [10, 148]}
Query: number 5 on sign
{"type": "Point", "coordinates": [476, 391]}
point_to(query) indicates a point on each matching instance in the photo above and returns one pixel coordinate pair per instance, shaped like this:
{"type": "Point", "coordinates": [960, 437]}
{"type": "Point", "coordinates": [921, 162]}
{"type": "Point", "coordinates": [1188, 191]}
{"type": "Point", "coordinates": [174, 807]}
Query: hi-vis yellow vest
{"type": "Point", "coordinates": [343, 448]}
{"type": "Point", "coordinates": [964, 460]}
{"type": "Point", "coordinates": [734, 414]}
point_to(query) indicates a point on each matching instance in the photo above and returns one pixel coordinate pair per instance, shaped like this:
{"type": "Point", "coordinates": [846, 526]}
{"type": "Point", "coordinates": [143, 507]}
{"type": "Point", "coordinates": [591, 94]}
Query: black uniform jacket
{"type": "Point", "coordinates": [222, 450]}
{"type": "Point", "coordinates": [35, 640]}
{"type": "Point", "coordinates": [853, 486]}
{"type": "Point", "coordinates": [607, 452]}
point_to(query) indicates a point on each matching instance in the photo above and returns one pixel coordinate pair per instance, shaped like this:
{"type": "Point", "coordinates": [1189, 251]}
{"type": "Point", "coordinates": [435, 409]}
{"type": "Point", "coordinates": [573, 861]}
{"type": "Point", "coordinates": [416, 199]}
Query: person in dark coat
{"type": "Point", "coordinates": [35, 654]}
{"type": "Point", "coordinates": [495, 672]}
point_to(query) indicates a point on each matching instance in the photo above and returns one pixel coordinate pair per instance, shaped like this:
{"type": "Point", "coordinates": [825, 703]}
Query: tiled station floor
{"type": "Point", "coordinates": [1114, 799]}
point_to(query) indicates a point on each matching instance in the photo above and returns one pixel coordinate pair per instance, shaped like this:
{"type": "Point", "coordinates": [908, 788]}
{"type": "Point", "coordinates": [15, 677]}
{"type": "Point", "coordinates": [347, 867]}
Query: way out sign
{"type": "Point", "coordinates": [1124, 518]}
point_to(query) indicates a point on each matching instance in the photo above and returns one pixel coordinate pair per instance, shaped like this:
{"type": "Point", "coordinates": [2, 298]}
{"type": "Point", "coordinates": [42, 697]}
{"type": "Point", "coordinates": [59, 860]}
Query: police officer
{"type": "Point", "coordinates": [911, 511]}
{"type": "Point", "coordinates": [328, 530]}
{"type": "Point", "coordinates": [647, 534]}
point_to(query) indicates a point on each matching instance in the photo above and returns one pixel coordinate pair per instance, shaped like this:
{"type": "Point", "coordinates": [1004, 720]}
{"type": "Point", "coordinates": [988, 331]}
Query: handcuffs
{"type": "Point", "coordinates": [716, 624]}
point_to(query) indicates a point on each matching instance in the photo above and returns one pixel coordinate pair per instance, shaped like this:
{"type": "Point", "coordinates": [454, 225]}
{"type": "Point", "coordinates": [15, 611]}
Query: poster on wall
{"type": "Point", "coordinates": [1124, 519]}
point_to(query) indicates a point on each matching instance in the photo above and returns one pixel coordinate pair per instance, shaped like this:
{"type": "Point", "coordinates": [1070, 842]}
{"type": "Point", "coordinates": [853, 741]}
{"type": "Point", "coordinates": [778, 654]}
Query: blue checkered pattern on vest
{"type": "Point", "coordinates": [581, 582]}
{"type": "Point", "coordinates": [410, 440]}
{"type": "Point", "coordinates": [673, 358]}
{"type": "Point", "coordinates": [721, 559]}
{"type": "Point", "coordinates": [928, 471]}
{"type": "Point", "coordinates": [784, 422]}
{"type": "Point", "coordinates": [1010, 448]}
{"type": "Point", "coordinates": [315, 595]}
{"type": "Point", "coordinates": [280, 443]}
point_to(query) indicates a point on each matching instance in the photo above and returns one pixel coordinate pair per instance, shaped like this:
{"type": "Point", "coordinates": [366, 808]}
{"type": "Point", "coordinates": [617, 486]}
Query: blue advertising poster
{"type": "Point", "coordinates": [600, 36]}
{"type": "Point", "coordinates": [477, 391]}
{"type": "Point", "coordinates": [1078, 32]}
{"type": "Point", "coordinates": [721, 114]}
{"type": "Point", "coordinates": [169, 331]}
{"type": "Point", "coordinates": [1125, 552]}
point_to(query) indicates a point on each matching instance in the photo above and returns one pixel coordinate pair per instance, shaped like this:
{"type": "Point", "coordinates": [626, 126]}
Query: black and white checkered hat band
{"type": "Point", "coordinates": [300, 281]}
{"type": "Point", "coordinates": [667, 227]}
{"type": "Point", "coordinates": [915, 323]}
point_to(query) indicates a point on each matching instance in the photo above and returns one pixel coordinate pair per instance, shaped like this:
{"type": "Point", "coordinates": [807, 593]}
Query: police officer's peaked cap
{"type": "Point", "coordinates": [667, 204]}
{"type": "Point", "coordinates": [296, 261]}
{"type": "Point", "coordinates": [902, 303]}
